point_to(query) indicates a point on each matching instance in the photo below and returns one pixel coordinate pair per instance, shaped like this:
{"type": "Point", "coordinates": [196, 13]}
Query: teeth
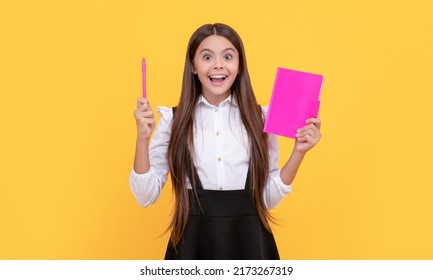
{"type": "Point", "coordinates": [218, 76]}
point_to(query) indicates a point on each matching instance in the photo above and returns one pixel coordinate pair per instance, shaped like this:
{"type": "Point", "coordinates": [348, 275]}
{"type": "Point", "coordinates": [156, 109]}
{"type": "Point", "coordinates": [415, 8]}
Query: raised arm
{"type": "Point", "coordinates": [145, 121]}
{"type": "Point", "coordinates": [307, 138]}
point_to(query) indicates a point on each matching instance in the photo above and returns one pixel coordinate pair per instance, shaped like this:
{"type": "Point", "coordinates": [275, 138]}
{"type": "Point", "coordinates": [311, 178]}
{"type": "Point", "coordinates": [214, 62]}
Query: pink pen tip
{"type": "Point", "coordinates": [143, 73]}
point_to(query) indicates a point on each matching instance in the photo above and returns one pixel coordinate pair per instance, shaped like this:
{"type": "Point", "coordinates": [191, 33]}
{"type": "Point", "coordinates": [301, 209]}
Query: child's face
{"type": "Point", "coordinates": [216, 63]}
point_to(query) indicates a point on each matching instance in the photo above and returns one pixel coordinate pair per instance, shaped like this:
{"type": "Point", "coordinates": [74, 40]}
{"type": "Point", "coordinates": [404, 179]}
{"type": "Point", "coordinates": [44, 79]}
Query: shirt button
{"type": "Point", "coordinates": [221, 188]}
{"type": "Point", "coordinates": [219, 159]}
{"type": "Point", "coordinates": [217, 133]}
{"type": "Point", "coordinates": [216, 109]}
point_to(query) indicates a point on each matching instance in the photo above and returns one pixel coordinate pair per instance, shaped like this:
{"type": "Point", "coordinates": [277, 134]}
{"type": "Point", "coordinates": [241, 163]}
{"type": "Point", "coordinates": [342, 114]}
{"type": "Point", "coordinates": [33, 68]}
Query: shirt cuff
{"type": "Point", "coordinates": [284, 188]}
{"type": "Point", "coordinates": [141, 176]}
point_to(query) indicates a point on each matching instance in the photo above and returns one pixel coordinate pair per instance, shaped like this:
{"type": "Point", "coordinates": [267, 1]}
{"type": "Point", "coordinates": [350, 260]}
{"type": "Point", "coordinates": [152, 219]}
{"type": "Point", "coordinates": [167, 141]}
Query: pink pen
{"type": "Point", "coordinates": [143, 73]}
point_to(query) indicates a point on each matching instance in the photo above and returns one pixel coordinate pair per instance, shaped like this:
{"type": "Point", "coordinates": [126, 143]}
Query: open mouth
{"type": "Point", "coordinates": [217, 78]}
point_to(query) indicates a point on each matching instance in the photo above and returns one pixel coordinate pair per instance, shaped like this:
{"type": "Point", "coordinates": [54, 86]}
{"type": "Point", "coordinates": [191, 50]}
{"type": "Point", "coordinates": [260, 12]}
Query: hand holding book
{"type": "Point", "coordinates": [293, 112]}
{"type": "Point", "coordinates": [295, 99]}
{"type": "Point", "coordinates": [308, 136]}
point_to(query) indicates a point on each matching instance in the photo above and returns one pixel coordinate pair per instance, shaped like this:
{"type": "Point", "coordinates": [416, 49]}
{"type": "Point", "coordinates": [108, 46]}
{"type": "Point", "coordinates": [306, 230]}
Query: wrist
{"type": "Point", "coordinates": [141, 140]}
{"type": "Point", "coordinates": [298, 153]}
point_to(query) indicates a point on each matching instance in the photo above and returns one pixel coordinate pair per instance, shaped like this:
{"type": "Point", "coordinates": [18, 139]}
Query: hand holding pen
{"type": "Point", "coordinates": [143, 114]}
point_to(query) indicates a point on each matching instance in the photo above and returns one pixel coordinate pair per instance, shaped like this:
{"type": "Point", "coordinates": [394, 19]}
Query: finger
{"type": "Point", "coordinates": [148, 114]}
{"type": "Point", "coordinates": [314, 133]}
{"type": "Point", "coordinates": [308, 139]}
{"type": "Point", "coordinates": [138, 113]}
{"type": "Point", "coordinates": [142, 101]}
{"type": "Point", "coordinates": [308, 127]}
{"type": "Point", "coordinates": [143, 115]}
{"type": "Point", "coordinates": [302, 139]}
{"type": "Point", "coordinates": [145, 107]}
{"type": "Point", "coordinates": [316, 121]}
{"type": "Point", "coordinates": [142, 108]}
{"type": "Point", "coordinates": [146, 121]}
{"type": "Point", "coordinates": [303, 134]}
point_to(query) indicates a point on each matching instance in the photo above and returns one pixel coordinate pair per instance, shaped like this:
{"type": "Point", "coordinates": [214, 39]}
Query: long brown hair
{"type": "Point", "coordinates": [181, 145]}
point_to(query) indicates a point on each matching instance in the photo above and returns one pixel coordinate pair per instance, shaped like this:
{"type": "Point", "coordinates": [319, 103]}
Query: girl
{"type": "Point", "coordinates": [224, 169]}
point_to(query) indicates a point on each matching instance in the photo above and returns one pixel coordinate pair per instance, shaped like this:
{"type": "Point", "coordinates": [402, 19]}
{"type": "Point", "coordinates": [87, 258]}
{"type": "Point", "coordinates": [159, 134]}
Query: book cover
{"type": "Point", "coordinates": [295, 98]}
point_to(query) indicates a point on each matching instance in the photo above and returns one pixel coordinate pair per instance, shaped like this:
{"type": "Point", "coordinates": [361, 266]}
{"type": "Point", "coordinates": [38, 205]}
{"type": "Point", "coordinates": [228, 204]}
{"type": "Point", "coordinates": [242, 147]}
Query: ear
{"type": "Point", "coordinates": [194, 71]}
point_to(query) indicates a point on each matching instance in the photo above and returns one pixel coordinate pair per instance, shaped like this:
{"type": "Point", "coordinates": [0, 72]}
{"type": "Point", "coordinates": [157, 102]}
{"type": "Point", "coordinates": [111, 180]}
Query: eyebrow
{"type": "Point", "coordinates": [209, 50]}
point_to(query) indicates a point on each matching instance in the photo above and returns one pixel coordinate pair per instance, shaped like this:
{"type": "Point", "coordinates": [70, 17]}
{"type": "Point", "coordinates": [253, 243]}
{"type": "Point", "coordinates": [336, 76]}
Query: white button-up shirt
{"type": "Point", "coordinates": [221, 154]}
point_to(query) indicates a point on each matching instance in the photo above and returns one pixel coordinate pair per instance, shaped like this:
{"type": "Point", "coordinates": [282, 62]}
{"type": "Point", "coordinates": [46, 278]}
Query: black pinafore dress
{"type": "Point", "coordinates": [226, 227]}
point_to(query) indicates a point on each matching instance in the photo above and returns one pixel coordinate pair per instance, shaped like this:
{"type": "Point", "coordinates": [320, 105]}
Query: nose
{"type": "Point", "coordinates": [218, 65]}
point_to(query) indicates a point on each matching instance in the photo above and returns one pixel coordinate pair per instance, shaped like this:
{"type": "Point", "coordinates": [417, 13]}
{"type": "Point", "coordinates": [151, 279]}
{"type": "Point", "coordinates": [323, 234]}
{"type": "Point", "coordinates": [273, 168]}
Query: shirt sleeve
{"type": "Point", "coordinates": [275, 190]}
{"type": "Point", "coordinates": [147, 187]}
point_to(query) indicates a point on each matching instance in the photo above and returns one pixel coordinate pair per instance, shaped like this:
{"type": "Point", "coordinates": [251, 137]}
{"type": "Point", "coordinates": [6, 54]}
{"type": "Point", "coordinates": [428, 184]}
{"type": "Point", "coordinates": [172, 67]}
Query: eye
{"type": "Point", "coordinates": [207, 57]}
{"type": "Point", "coordinates": [228, 56]}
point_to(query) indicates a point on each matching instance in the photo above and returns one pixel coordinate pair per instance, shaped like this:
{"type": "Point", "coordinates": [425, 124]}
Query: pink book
{"type": "Point", "coordinates": [295, 98]}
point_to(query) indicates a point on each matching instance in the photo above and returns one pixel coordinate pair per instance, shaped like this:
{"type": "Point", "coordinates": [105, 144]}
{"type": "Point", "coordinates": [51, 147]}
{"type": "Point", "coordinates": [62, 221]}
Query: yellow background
{"type": "Point", "coordinates": [70, 73]}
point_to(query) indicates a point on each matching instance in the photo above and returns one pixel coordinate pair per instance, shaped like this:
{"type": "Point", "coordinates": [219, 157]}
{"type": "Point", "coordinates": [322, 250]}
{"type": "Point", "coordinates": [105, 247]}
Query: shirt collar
{"type": "Point", "coordinates": [233, 101]}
